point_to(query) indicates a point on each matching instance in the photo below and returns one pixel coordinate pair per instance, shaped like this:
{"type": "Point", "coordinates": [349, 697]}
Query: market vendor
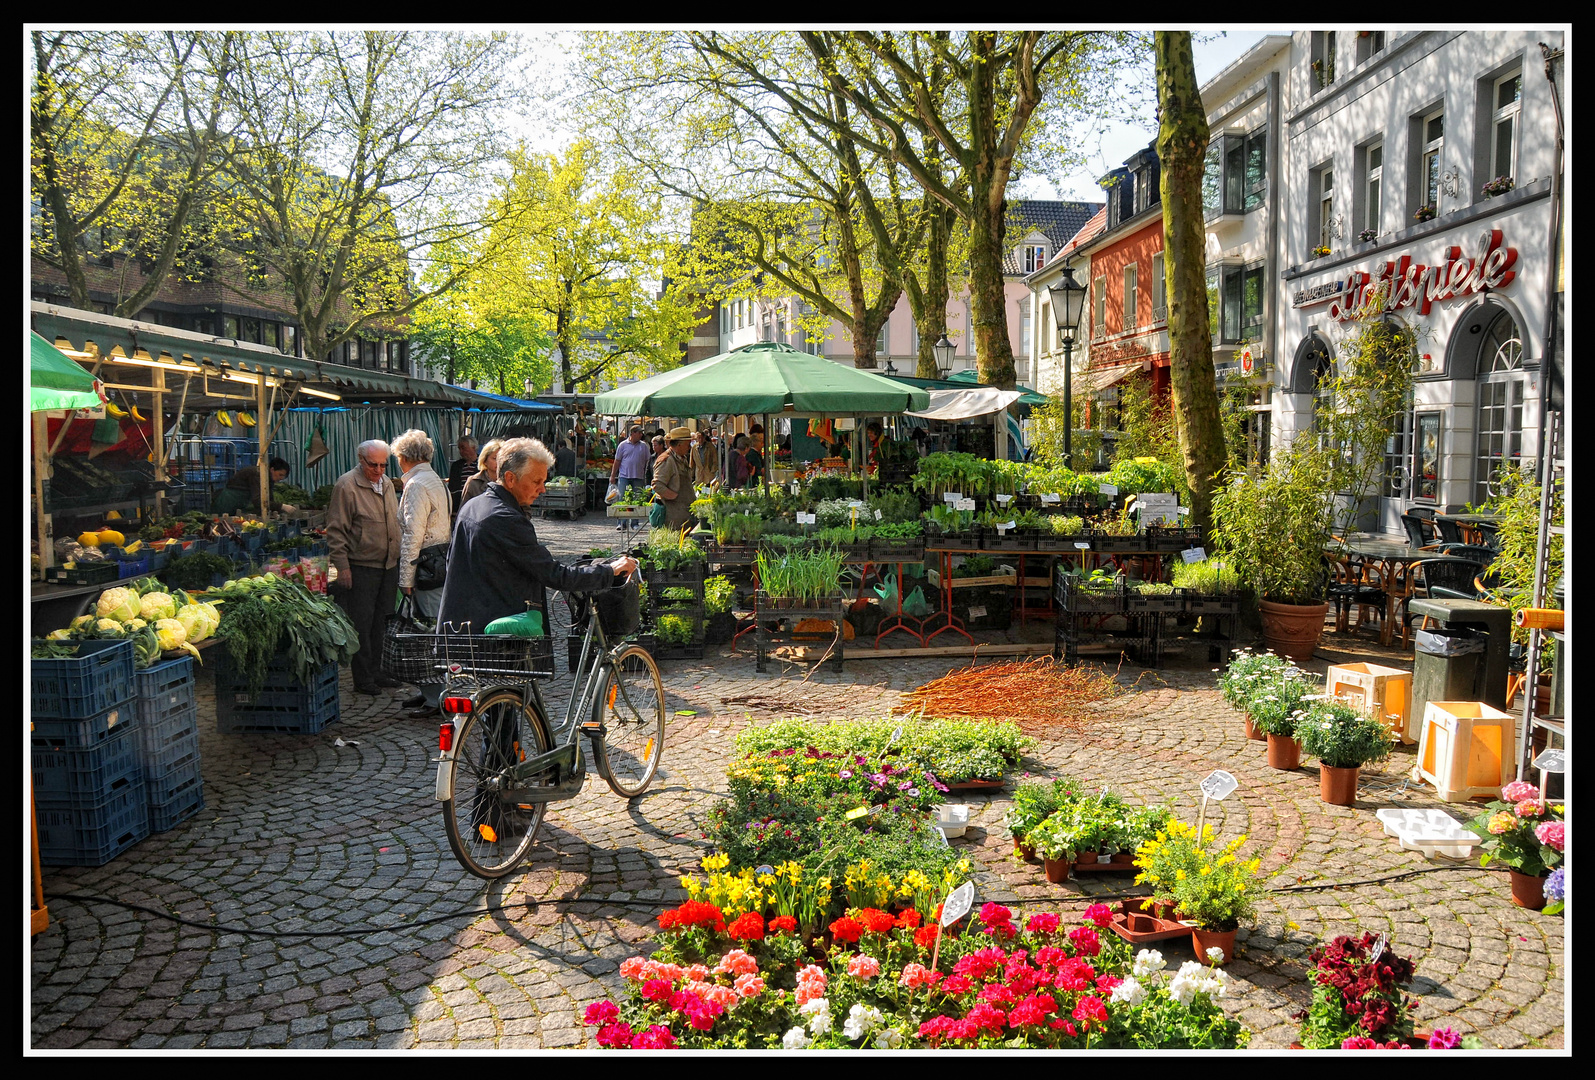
{"type": "Point", "coordinates": [565, 457]}
{"type": "Point", "coordinates": [672, 484]}
{"type": "Point", "coordinates": [872, 442]}
{"type": "Point", "coordinates": [243, 490]}
{"type": "Point", "coordinates": [755, 454]}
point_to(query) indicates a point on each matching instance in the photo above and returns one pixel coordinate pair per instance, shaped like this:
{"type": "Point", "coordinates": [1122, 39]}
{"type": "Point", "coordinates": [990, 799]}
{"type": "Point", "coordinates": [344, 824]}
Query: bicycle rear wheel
{"type": "Point", "coordinates": [489, 831]}
{"type": "Point", "coordinates": [631, 706]}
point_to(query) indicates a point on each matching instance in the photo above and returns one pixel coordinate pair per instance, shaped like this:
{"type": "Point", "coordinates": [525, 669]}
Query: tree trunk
{"type": "Point", "coordinates": [1182, 149]}
{"type": "Point", "coordinates": [993, 351]}
{"type": "Point", "coordinates": [928, 302]}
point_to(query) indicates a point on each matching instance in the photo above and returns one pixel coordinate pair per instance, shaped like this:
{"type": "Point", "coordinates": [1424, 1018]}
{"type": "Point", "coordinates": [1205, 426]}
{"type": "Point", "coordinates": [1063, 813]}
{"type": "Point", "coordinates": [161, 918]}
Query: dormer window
{"type": "Point", "coordinates": [1035, 257]}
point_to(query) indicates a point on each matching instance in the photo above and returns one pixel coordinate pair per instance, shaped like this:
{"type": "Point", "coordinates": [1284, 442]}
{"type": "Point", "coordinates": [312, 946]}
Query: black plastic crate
{"type": "Point", "coordinates": [676, 652]}
{"type": "Point", "coordinates": [55, 734]}
{"type": "Point", "coordinates": [179, 808]}
{"type": "Point", "coordinates": [84, 778]}
{"type": "Point", "coordinates": [1200, 604]}
{"type": "Point", "coordinates": [95, 835]}
{"type": "Point", "coordinates": [897, 551]}
{"type": "Point", "coordinates": [1154, 602]}
{"type": "Point", "coordinates": [282, 704]}
{"type": "Point", "coordinates": [1087, 601]}
{"type": "Point", "coordinates": [678, 578]}
{"type": "Point", "coordinates": [101, 572]}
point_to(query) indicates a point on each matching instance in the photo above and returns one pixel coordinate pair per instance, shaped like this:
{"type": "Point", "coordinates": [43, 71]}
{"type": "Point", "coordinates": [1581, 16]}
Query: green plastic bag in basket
{"type": "Point", "coordinates": [526, 624]}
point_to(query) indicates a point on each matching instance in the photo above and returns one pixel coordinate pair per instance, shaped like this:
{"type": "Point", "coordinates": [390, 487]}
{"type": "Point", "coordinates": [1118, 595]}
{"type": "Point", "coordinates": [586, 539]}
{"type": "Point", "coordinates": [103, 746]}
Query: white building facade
{"type": "Point", "coordinates": [1419, 163]}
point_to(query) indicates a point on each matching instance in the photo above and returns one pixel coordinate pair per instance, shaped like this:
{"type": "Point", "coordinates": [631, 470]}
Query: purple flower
{"type": "Point", "coordinates": [878, 779]}
{"type": "Point", "coordinates": [1444, 1039]}
{"type": "Point", "coordinates": [1556, 885]}
{"type": "Point", "coordinates": [845, 774]}
{"type": "Point", "coordinates": [914, 791]}
{"type": "Point", "coordinates": [939, 786]}
{"type": "Point", "coordinates": [904, 785]}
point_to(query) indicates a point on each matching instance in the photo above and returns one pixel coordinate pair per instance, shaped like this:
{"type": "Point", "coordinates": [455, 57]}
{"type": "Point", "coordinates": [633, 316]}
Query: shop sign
{"type": "Point", "coordinates": [1409, 284]}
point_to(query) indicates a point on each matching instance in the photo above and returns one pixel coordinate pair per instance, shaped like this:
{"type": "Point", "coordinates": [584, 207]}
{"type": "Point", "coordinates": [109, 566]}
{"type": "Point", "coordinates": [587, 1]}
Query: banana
{"type": "Point", "coordinates": [116, 411]}
{"type": "Point", "coordinates": [223, 419]}
{"type": "Point", "coordinates": [136, 417]}
{"type": "Point", "coordinates": [245, 419]}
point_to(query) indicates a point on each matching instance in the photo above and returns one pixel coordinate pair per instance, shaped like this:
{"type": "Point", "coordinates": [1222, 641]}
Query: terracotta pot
{"type": "Point", "coordinates": [1024, 851]}
{"type": "Point", "coordinates": [1293, 630]}
{"type": "Point", "coordinates": [1124, 857]}
{"type": "Point", "coordinates": [1251, 729]}
{"type": "Point", "coordinates": [1527, 891]}
{"type": "Point", "coordinates": [1085, 858]}
{"type": "Point", "coordinates": [1284, 752]}
{"type": "Point", "coordinates": [1057, 870]}
{"type": "Point", "coordinates": [1338, 787]}
{"type": "Point", "coordinates": [1203, 940]}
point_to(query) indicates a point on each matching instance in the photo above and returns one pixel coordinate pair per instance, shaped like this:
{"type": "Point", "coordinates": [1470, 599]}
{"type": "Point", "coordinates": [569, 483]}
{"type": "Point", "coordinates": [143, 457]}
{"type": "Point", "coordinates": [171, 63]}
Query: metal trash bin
{"type": "Point", "coordinates": [1447, 665]}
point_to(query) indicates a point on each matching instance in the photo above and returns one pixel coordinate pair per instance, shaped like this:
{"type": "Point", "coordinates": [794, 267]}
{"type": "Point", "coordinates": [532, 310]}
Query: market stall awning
{"type": "Point", "coordinates": [1094, 382]}
{"type": "Point", "coordinates": [763, 378]}
{"type": "Point", "coordinates": [969, 377]}
{"type": "Point", "coordinates": [485, 400]}
{"type": "Point", "coordinates": [56, 381]}
{"type": "Point", "coordinates": [963, 404]}
{"type": "Point", "coordinates": [203, 355]}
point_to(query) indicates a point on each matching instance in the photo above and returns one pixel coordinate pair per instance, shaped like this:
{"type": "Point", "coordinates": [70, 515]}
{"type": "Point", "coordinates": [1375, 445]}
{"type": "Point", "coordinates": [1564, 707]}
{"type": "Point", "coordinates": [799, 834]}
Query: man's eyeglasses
{"type": "Point", "coordinates": [383, 464]}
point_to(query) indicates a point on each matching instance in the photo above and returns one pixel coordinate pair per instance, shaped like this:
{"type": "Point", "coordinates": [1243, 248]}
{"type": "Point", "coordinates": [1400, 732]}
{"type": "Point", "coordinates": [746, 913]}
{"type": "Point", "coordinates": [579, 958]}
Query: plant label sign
{"type": "Point", "coordinates": [1194, 554]}
{"type": "Point", "coordinates": [1005, 499]}
{"type": "Point", "coordinates": [977, 612]}
{"type": "Point", "coordinates": [1083, 545]}
{"type": "Point", "coordinates": [877, 515]}
{"type": "Point", "coordinates": [1378, 949]}
{"type": "Point", "coordinates": [805, 519]}
{"type": "Point", "coordinates": [1108, 489]}
{"type": "Point", "coordinates": [1551, 761]}
{"type": "Point", "coordinates": [1050, 500]}
{"type": "Point", "coordinates": [951, 496]}
{"type": "Point", "coordinates": [897, 734]}
{"type": "Point", "coordinates": [856, 813]}
{"type": "Point", "coordinates": [965, 504]}
{"type": "Point", "coordinates": [794, 487]}
{"type": "Point", "coordinates": [958, 903]}
{"type": "Point", "coordinates": [1218, 785]}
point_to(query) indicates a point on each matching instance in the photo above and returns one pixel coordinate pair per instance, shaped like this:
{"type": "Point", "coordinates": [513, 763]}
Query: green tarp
{"type": "Point", "coordinates": [57, 381]}
{"type": "Point", "coordinates": [968, 377]}
{"type": "Point", "coordinates": [766, 377]}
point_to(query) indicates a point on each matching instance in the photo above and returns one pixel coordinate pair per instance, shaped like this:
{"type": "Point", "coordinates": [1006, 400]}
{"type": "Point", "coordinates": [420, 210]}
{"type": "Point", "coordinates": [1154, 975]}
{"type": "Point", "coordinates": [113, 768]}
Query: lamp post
{"type": "Point", "coordinates": [1068, 299]}
{"type": "Point", "coordinates": [944, 350]}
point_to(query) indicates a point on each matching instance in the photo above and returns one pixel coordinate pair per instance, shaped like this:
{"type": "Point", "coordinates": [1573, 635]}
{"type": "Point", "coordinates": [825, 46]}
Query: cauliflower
{"type": "Point", "coordinates": [157, 605]}
{"type": "Point", "coordinates": [171, 635]}
{"type": "Point", "coordinates": [109, 626]}
{"type": "Point", "coordinates": [136, 624]}
{"type": "Point", "coordinates": [82, 622]}
{"type": "Point", "coordinates": [195, 623]}
{"type": "Point", "coordinates": [118, 604]}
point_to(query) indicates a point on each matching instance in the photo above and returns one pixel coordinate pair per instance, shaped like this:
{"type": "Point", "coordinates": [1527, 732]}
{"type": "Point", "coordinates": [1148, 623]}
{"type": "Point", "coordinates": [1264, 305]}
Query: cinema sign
{"type": "Point", "coordinates": [1408, 284]}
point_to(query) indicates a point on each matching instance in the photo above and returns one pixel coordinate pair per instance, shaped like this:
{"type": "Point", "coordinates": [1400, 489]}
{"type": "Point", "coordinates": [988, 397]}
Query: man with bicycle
{"type": "Point", "coordinates": [496, 563]}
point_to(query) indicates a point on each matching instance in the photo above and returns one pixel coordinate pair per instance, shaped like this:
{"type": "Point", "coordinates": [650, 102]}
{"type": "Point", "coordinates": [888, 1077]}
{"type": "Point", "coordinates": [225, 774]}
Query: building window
{"type": "Point", "coordinates": [1130, 296]}
{"type": "Point", "coordinates": [1035, 257]}
{"type": "Point", "coordinates": [725, 318]}
{"type": "Point", "coordinates": [882, 339]}
{"type": "Point", "coordinates": [1323, 59]}
{"type": "Point", "coordinates": [1237, 314]}
{"type": "Point", "coordinates": [1373, 158]}
{"type": "Point", "coordinates": [1506, 105]}
{"type": "Point", "coordinates": [969, 323]}
{"type": "Point", "coordinates": [1398, 456]}
{"type": "Point", "coordinates": [1235, 175]}
{"type": "Point", "coordinates": [230, 326]}
{"type": "Point", "coordinates": [913, 339]}
{"type": "Point", "coordinates": [1160, 300]}
{"type": "Point", "coordinates": [1500, 394]}
{"type": "Point", "coordinates": [1369, 44]}
{"type": "Point", "coordinates": [290, 340]}
{"type": "Point", "coordinates": [1099, 308]}
{"type": "Point", "coordinates": [249, 330]}
{"type": "Point", "coordinates": [1431, 164]}
{"type": "Point", "coordinates": [1024, 326]}
{"type": "Point", "coordinates": [1320, 226]}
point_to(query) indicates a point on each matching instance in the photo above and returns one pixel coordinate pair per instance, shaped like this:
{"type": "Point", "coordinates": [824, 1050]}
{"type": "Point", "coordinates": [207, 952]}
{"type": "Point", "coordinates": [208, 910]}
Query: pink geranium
{"type": "Point", "coordinates": [916, 975]}
{"type": "Point", "coordinates": [1085, 940]}
{"type": "Point", "coordinates": [600, 1012]}
{"type": "Point", "coordinates": [749, 986]}
{"type": "Point", "coordinates": [1044, 923]}
{"type": "Point", "coordinates": [1518, 790]}
{"type": "Point", "coordinates": [736, 962]}
{"type": "Point", "coordinates": [1553, 834]}
{"type": "Point", "coordinates": [615, 1036]}
{"type": "Point", "coordinates": [657, 989]}
{"type": "Point", "coordinates": [657, 1037]}
{"type": "Point", "coordinates": [632, 969]}
{"type": "Point", "coordinates": [1100, 914]}
{"type": "Point", "coordinates": [697, 972]}
{"type": "Point", "coordinates": [863, 967]}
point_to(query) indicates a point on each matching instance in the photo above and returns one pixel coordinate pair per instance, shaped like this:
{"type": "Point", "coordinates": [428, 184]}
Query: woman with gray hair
{"type": "Point", "coordinates": [423, 539]}
{"type": "Point", "coordinates": [486, 471]}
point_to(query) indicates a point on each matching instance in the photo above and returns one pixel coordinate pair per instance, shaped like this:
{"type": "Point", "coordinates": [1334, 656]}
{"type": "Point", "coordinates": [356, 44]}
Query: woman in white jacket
{"type": "Point", "coordinates": [423, 516]}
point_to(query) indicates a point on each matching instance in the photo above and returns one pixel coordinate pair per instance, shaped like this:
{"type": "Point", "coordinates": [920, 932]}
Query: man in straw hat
{"type": "Point", "coordinates": [672, 484]}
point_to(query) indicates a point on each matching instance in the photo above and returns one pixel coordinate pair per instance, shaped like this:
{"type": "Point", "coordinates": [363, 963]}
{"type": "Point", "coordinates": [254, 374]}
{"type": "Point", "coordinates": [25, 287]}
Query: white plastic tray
{"type": "Point", "coordinates": [952, 818]}
{"type": "Point", "coordinates": [1433, 832]}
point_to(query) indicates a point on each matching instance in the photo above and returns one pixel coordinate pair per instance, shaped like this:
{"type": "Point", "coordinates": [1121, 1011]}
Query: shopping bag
{"type": "Point", "coordinates": [613, 493]}
{"type": "Point", "coordinates": [887, 591]}
{"type": "Point", "coordinates": [656, 514]}
{"type": "Point", "coordinates": [915, 604]}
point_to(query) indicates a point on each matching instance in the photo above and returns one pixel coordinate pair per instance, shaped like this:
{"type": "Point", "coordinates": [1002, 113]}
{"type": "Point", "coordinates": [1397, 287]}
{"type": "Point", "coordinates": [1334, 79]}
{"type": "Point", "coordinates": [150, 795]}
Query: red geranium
{"type": "Point", "coordinates": [1100, 914]}
{"type": "Point", "coordinates": [784, 924]}
{"type": "Point", "coordinates": [696, 913]}
{"type": "Point", "coordinates": [909, 919]}
{"type": "Point", "coordinates": [925, 936]}
{"type": "Point", "coordinates": [749, 927]}
{"type": "Point", "coordinates": [847, 929]}
{"type": "Point", "coordinates": [615, 1036]}
{"type": "Point", "coordinates": [876, 921]}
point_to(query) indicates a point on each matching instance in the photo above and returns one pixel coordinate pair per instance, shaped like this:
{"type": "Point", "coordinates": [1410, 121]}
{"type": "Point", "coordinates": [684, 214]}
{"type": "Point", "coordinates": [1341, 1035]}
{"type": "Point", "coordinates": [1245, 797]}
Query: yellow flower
{"type": "Point", "coordinates": [717, 862]}
{"type": "Point", "coordinates": [1179, 875]}
{"type": "Point", "coordinates": [692, 885]}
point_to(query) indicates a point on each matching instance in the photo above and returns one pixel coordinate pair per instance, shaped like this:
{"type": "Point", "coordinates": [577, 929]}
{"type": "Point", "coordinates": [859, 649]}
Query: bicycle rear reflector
{"type": "Point", "coordinates": [461, 705]}
{"type": "Point", "coordinates": [446, 736]}
{"type": "Point", "coordinates": [488, 833]}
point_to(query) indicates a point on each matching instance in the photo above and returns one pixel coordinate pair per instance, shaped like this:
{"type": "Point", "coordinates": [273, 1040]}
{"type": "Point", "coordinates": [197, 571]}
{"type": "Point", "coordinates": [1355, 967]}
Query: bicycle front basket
{"type": "Point", "coordinates": [619, 609]}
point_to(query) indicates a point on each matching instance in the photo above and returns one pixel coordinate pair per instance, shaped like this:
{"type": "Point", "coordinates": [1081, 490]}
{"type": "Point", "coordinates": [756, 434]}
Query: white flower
{"type": "Point", "coordinates": [860, 1020]}
{"type": "Point", "coordinates": [888, 1039]}
{"type": "Point", "coordinates": [1129, 992]}
{"type": "Point", "coordinates": [795, 1040]}
{"type": "Point", "coordinates": [1147, 962]}
{"type": "Point", "coordinates": [1182, 989]}
{"type": "Point", "coordinates": [1215, 954]}
{"type": "Point", "coordinates": [819, 1013]}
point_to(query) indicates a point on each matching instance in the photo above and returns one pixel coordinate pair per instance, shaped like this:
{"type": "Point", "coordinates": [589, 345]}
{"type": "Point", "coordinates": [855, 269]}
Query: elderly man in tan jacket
{"type": "Point", "coordinates": [672, 484]}
{"type": "Point", "coordinates": [363, 546]}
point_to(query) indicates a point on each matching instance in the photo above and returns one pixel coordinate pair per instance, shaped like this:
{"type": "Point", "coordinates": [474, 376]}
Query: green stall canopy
{"type": "Point", "coordinates": [763, 378]}
{"type": "Point", "coordinates": [56, 380]}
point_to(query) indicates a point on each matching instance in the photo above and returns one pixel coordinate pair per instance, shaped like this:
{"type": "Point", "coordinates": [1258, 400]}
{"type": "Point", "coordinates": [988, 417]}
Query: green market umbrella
{"type": "Point", "coordinates": [57, 381]}
{"type": "Point", "coordinates": [1027, 396]}
{"type": "Point", "coordinates": [763, 378]}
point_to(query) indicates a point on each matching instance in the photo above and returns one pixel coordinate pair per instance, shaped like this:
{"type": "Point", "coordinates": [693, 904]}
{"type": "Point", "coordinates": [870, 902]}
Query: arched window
{"type": "Point", "coordinates": [1501, 388]}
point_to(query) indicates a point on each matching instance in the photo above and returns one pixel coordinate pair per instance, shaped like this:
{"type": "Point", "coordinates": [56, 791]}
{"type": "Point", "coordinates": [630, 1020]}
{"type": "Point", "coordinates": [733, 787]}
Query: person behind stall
{"type": "Point", "coordinates": [840, 449]}
{"type": "Point", "coordinates": [705, 459]}
{"type": "Point", "coordinates": [673, 480]}
{"type": "Point", "coordinates": [918, 435]}
{"type": "Point", "coordinates": [872, 444]}
{"type": "Point", "coordinates": [565, 457]}
{"type": "Point", "coordinates": [755, 452]}
{"type": "Point", "coordinates": [243, 490]}
{"type": "Point", "coordinates": [739, 473]}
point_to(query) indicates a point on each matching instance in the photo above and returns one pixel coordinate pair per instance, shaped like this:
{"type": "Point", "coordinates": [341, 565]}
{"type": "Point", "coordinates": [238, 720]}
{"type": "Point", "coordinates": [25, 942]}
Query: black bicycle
{"type": "Point", "coordinates": [500, 764]}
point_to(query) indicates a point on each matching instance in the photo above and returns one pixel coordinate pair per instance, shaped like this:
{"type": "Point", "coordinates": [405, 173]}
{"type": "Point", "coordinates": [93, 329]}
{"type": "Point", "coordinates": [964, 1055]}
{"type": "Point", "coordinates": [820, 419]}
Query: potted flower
{"type": "Point", "coordinates": [1321, 251]}
{"type": "Point", "coordinates": [1424, 213]}
{"type": "Point", "coordinates": [1527, 835]}
{"type": "Point", "coordinates": [1033, 802]}
{"type": "Point", "coordinates": [1499, 186]}
{"type": "Point", "coordinates": [1359, 992]}
{"type": "Point", "coordinates": [1276, 708]}
{"type": "Point", "coordinates": [1343, 740]}
{"type": "Point", "coordinates": [1246, 672]}
{"type": "Point", "coordinates": [1054, 841]}
{"type": "Point", "coordinates": [1367, 236]}
{"type": "Point", "coordinates": [1213, 887]}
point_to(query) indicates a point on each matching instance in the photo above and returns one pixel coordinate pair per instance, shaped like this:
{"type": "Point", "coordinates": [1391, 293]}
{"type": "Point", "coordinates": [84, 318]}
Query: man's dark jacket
{"type": "Point", "coordinates": [496, 565]}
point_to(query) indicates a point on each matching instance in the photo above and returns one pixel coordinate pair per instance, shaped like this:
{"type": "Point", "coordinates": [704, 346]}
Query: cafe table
{"type": "Point", "coordinates": [1394, 558]}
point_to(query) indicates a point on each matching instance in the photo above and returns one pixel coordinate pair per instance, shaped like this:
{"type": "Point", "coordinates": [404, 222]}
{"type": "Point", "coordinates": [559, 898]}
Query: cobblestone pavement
{"type": "Point", "coordinates": [314, 902]}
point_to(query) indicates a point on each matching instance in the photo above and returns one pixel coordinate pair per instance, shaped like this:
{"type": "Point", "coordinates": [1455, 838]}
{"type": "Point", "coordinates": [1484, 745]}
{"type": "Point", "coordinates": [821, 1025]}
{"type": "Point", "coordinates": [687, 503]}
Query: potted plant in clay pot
{"type": "Point", "coordinates": [1343, 740]}
{"type": "Point", "coordinates": [1279, 702]}
{"type": "Point", "coordinates": [1527, 835]}
{"type": "Point", "coordinates": [1212, 885]}
{"type": "Point", "coordinates": [1053, 842]}
{"type": "Point", "coordinates": [1238, 682]}
{"type": "Point", "coordinates": [1033, 802]}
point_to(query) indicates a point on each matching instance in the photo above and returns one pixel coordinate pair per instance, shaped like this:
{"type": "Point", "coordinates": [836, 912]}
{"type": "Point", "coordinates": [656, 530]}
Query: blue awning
{"type": "Point", "coordinates": [499, 401]}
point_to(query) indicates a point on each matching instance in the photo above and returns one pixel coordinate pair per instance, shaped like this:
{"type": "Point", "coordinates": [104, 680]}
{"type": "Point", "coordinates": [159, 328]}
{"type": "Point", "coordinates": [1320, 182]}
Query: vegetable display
{"type": "Point", "coordinates": [267, 615]}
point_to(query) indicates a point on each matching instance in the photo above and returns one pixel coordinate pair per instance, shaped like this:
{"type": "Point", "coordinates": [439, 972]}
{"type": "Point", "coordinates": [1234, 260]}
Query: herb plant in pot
{"type": "Point", "coordinates": [1525, 834]}
{"type": "Point", "coordinates": [1343, 740]}
{"type": "Point", "coordinates": [1277, 705]}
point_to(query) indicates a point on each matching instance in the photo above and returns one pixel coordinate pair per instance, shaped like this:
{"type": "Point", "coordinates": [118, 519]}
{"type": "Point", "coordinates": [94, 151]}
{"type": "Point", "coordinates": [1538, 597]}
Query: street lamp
{"type": "Point", "coordinates": [1068, 300]}
{"type": "Point", "coordinates": [944, 350]}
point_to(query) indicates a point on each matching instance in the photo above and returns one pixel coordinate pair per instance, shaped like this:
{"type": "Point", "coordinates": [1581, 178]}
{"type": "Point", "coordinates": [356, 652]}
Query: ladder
{"type": "Point", "coordinates": [1550, 480]}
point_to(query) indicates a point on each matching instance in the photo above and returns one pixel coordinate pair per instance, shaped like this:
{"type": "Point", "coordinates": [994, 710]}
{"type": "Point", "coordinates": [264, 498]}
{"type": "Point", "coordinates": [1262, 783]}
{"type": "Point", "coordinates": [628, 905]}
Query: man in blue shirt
{"type": "Point", "coordinates": [631, 461]}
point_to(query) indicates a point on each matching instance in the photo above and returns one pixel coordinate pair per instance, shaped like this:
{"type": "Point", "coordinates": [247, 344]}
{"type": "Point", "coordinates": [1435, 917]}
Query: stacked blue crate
{"type": "Point", "coordinates": [168, 743]}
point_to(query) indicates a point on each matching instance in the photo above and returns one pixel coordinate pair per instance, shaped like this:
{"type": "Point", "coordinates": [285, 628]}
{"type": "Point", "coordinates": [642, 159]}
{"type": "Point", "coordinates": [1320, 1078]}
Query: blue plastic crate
{"type": "Point", "coordinates": [95, 835]}
{"type": "Point", "coordinates": [84, 778]}
{"type": "Point", "coordinates": [132, 565]}
{"type": "Point", "coordinates": [163, 687]}
{"type": "Point", "coordinates": [98, 678]}
{"type": "Point", "coordinates": [157, 731]}
{"type": "Point", "coordinates": [176, 748]}
{"type": "Point", "coordinates": [52, 733]}
{"type": "Point", "coordinates": [179, 809]}
{"type": "Point", "coordinates": [282, 704]}
{"type": "Point", "coordinates": [174, 780]}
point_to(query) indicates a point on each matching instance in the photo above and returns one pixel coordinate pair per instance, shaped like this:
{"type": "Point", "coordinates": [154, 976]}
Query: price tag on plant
{"type": "Point", "coordinates": [896, 734]}
{"type": "Point", "coordinates": [1551, 761]}
{"type": "Point", "coordinates": [1050, 500]}
{"type": "Point", "coordinates": [877, 515]}
{"type": "Point", "coordinates": [1194, 554]}
{"type": "Point", "coordinates": [1005, 499]}
{"type": "Point", "coordinates": [951, 496]}
{"type": "Point", "coordinates": [1183, 509]}
{"type": "Point", "coordinates": [794, 487]}
{"type": "Point", "coordinates": [1378, 949]}
{"type": "Point", "coordinates": [1108, 489]}
{"type": "Point", "coordinates": [1218, 785]}
{"type": "Point", "coordinates": [1002, 528]}
{"type": "Point", "coordinates": [805, 519]}
{"type": "Point", "coordinates": [856, 813]}
{"type": "Point", "coordinates": [958, 903]}
{"type": "Point", "coordinates": [1083, 545]}
{"type": "Point", "coordinates": [977, 612]}
{"type": "Point", "coordinates": [966, 504]}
